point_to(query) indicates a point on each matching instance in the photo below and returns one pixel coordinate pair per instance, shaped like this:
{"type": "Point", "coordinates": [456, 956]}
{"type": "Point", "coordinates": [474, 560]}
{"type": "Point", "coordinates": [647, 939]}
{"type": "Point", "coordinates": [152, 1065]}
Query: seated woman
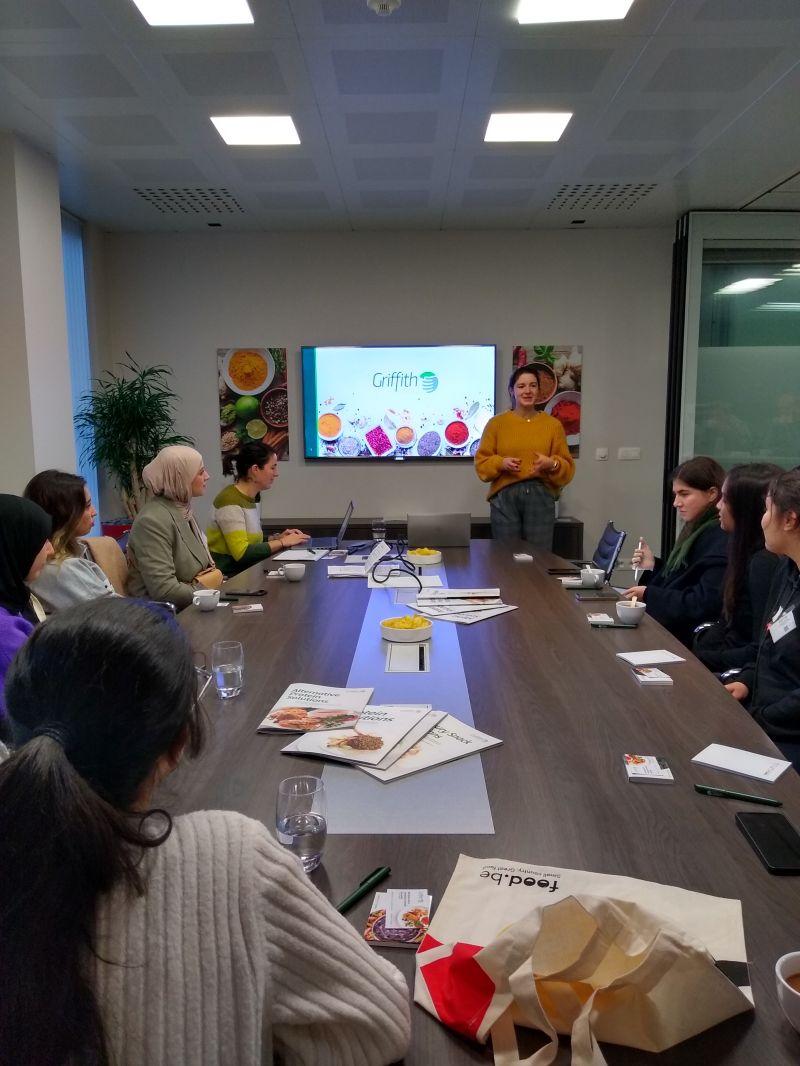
{"type": "Point", "coordinates": [24, 549]}
{"type": "Point", "coordinates": [151, 940]}
{"type": "Point", "coordinates": [168, 557]}
{"type": "Point", "coordinates": [71, 576]}
{"type": "Point", "coordinates": [731, 640]}
{"type": "Point", "coordinates": [235, 537]}
{"type": "Point", "coordinates": [687, 589]}
{"type": "Point", "coordinates": [770, 683]}
{"type": "Point", "coordinates": [524, 454]}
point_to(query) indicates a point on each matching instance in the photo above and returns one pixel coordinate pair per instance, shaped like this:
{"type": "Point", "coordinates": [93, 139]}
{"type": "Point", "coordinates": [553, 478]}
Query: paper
{"type": "Point", "coordinates": [453, 606]}
{"type": "Point", "coordinates": [572, 583]}
{"type": "Point", "coordinates": [649, 658]}
{"type": "Point", "coordinates": [398, 918]}
{"type": "Point", "coordinates": [401, 580]}
{"type": "Point", "coordinates": [737, 761]}
{"type": "Point", "coordinates": [378, 552]}
{"type": "Point", "coordinates": [599, 617]}
{"type": "Point", "coordinates": [247, 608]}
{"type": "Point", "coordinates": [446, 742]}
{"type": "Point", "coordinates": [300, 555]}
{"type": "Point", "coordinates": [346, 571]}
{"type": "Point", "coordinates": [407, 658]}
{"type": "Point", "coordinates": [382, 734]}
{"type": "Point", "coordinates": [459, 594]}
{"type": "Point", "coordinates": [468, 618]}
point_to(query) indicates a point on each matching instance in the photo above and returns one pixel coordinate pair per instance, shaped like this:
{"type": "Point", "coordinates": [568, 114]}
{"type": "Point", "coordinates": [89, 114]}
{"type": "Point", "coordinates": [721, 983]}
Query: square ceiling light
{"type": "Point", "coordinates": [736, 288]}
{"type": "Point", "coordinates": [256, 129]}
{"type": "Point", "coordinates": [195, 12]}
{"type": "Point", "coordinates": [539, 11]}
{"type": "Point", "coordinates": [527, 125]}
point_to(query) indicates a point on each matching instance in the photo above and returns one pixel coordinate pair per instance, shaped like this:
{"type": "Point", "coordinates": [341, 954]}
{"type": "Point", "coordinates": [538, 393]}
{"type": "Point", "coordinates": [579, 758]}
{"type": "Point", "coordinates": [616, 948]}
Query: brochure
{"type": "Point", "coordinates": [455, 606]}
{"type": "Point", "coordinates": [399, 580]}
{"type": "Point", "coordinates": [458, 594]}
{"type": "Point", "coordinates": [398, 918]}
{"type": "Point", "coordinates": [468, 618]}
{"type": "Point", "coordinates": [380, 736]}
{"type": "Point", "coordinates": [650, 769]}
{"type": "Point", "coordinates": [746, 763]}
{"type": "Point", "coordinates": [305, 707]}
{"type": "Point", "coordinates": [446, 742]}
{"type": "Point", "coordinates": [651, 675]}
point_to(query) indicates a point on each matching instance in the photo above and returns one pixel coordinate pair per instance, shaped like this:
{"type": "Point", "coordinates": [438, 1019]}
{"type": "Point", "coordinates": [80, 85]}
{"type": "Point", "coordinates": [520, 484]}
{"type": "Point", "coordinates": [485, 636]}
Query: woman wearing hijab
{"type": "Point", "coordinates": [24, 549]}
{"type": "Point", "coordinates": [168, 558]}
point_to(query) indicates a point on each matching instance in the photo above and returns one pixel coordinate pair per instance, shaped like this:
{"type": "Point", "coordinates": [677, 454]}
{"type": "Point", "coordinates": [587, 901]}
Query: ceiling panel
{"type": "Point", "coordinates": [569, 70]}
{"type": "Point", "coordinates": [702, 70]}
{"type": "Point", "coordinates": [68, 76]}
{"type": "Point", "coordinates": [388, 73]}
{"type": "Point", "coordinates": [228, 73]}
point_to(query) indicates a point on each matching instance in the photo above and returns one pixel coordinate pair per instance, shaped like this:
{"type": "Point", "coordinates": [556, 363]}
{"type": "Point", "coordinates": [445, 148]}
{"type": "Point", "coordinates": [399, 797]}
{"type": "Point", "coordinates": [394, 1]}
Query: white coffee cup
{"type": "Point", "coordinates": [789, 999]}
{"type": "Point", "coordinates": [630, 612]}
{"type": "Point", "coordinates": [591, 578]}
{"type": "Point", "coordinates": [206, 599]}
{"type": "Point", "coordinates": [293, 571]}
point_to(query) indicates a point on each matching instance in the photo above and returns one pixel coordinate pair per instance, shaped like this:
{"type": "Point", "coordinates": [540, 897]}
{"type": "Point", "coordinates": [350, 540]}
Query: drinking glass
{"type": "Point", "coordinates": [300, 818]}
{"type": "Point", "coordinates": [379, 529]}
{"type": "Point", "coordinates": [227, 666]}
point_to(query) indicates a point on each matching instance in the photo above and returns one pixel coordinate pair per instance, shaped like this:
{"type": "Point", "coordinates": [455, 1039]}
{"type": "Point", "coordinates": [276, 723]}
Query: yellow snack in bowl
{"type": "Point", "coordinates": [408, 621]}
{"type": "Point", "coordinates": [422, 551]}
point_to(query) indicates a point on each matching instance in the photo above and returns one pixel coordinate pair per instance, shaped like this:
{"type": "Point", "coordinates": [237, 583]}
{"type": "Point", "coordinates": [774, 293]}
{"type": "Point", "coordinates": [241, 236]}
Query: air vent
{"type": "Point", "coordinates": [611, 197]}
{"type": "Point", "coordinates": [189, 200]}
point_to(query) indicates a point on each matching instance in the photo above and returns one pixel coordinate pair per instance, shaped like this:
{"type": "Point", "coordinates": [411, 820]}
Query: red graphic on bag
{"type": "Point", "coordinates": [460, 990]}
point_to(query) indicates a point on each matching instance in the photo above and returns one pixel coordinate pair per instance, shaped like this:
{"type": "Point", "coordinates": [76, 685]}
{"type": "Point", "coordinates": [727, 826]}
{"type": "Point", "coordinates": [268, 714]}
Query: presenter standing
{"type": "Point", "coordinates": [524, 454]}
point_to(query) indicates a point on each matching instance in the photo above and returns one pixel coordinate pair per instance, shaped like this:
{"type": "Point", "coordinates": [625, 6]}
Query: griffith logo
{"type": "Point", "coordinates": [430, 382]}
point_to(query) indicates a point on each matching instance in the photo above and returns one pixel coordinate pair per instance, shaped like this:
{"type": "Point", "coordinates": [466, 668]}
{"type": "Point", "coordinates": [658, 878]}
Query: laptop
{"type": "Point", "coordinates": [331, 543]}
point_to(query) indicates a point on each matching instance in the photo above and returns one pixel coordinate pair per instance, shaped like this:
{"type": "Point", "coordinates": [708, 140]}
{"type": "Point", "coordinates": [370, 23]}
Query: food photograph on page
{"type": "Point", "coordinates": [560, 372]}
{"type": "Point", "coordinates": [253, 399]}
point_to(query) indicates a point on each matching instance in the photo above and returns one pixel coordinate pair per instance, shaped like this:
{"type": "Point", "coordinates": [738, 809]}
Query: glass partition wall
{"type": "Point", "coordinates": [735, 362]}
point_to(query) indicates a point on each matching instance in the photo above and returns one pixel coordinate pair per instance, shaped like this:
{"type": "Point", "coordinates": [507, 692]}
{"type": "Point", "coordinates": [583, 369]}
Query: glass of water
{"type": "Point", "coordinates": [227, 666]}
{"type": "Point", "coordinates": [300, 818]}
{"type": "Point", "coordinates": [379, 529]}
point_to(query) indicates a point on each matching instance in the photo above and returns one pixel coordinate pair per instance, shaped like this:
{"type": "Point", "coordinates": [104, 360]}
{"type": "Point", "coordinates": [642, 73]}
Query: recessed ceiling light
{"type": "Point", "coordinates": [256, 129]}
{"type": "Point", "coordinates": [195, 12]}
{"type": "Point", "coordinates": [530, 11]}
{"type": "Point", "coordinates": [780, 307]}
{"type": "Point", "coordinates": [527, 125]}
{"type": "Point", "coordinates": [746, 285]}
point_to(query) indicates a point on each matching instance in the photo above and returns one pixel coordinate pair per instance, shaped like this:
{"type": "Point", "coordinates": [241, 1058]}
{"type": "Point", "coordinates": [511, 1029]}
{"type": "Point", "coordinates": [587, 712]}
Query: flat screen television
{"type": "Point", "coordinates": [413, 402]}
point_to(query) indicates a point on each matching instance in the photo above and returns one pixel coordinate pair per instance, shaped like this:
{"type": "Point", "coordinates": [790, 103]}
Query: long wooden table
{"type": "Point", "coordinates": [567, 710]}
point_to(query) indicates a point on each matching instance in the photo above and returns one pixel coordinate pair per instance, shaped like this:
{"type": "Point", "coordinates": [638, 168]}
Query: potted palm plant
{"type": "Point", "coordinates": [126, 420]}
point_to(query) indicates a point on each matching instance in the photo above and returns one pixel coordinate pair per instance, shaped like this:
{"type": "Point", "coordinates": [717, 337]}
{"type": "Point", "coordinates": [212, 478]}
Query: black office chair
{"type": "Point", "coordinates": [607, 551]}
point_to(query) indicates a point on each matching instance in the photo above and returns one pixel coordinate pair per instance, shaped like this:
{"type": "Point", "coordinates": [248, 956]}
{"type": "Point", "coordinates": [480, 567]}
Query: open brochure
{"type": "Point", "coordinates": [468, 618]}
{"type": "Point", "coordinates": [433, 610]}
{"type": "Point", "coordinates": [305, 707]}
{"type": "Point", "coordinates": [446, 742]}
{"type": "Point", "coordinates": [382, 734]}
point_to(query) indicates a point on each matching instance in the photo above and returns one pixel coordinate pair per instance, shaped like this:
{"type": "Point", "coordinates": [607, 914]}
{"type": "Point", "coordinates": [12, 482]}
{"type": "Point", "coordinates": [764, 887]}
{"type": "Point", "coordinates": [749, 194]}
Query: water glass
{"type": "Point", "coordinates": [379, 529]}
{"type": "Point", "coordinates": [227, 666]}
{"type": "Point", "coordinates": [300, 818]}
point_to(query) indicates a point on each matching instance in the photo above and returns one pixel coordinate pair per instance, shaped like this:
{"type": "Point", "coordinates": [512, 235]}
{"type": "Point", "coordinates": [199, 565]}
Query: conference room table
{"type": "Point", "coordinates": [566, 709]}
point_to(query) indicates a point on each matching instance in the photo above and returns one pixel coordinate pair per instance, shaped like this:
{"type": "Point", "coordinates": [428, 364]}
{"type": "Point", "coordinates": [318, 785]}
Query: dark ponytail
{"type": "Point", "coordinates": [745, 492]}
{"type": "Point", "coordinates": [251, 454]}
{"type": "Point", "coordinates": [102, 690]}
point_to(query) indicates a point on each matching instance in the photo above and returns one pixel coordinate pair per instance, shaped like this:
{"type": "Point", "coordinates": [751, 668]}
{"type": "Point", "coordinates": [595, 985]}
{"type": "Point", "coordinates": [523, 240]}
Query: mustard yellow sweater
{"type": "Point", "coordinates": [508, 435]}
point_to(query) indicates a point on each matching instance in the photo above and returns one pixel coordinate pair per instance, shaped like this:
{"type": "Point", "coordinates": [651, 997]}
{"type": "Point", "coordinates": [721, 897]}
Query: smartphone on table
{"type": "Point", "coordinates": [774, 839]}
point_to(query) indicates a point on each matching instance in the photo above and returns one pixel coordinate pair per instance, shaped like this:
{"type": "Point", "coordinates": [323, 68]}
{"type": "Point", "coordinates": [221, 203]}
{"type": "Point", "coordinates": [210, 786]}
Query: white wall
{"type": "Point", "coordinates": [177, 298]}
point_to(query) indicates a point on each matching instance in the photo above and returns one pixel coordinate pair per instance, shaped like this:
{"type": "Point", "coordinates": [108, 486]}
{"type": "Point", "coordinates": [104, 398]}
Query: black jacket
{"type": "Point", "coordinates": [773, 676]}
{"type": "Point", "coordinates": [735, 642]}
{"type": "Point", "coordinates": [692, 594]}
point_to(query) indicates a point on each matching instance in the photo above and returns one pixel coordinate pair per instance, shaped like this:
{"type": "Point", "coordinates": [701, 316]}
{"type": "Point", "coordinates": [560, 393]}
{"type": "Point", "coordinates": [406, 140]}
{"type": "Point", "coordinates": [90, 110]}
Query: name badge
{"type": "Point", "coordinates": [782, 625]}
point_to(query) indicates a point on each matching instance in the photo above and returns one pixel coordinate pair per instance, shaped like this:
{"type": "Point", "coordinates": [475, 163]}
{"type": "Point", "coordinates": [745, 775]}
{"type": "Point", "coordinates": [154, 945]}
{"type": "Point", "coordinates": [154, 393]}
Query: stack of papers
{"type": "Point", "coordinates": [738, 761]}
{"type": "Point", "coordinates": [649, 658]}
{"type": "Point", "coordinates": [651, 675]}
{"type": "Point", "coordinates": [382, 734]}
{"type": "Point", "coordinates": [465, 606]}
{"type": "Point", "coordinates": [451, 739]}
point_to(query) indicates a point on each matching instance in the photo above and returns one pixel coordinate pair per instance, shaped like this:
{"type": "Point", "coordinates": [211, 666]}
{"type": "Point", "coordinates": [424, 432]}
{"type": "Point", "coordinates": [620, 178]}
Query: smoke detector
{"type": "Point", "coordinates": [383, 7]}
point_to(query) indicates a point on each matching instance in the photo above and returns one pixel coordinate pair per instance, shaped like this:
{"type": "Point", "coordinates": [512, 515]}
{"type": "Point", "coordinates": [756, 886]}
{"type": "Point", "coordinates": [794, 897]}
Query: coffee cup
{"type": "Point", "coordinates": [630, 612]}
{"type": "Point", "coordinates": [293, 571]}
{"type": "Point", "coordinates": [206, 599]}
{"type": "Point", "coordinates": [591, 578]}
{"type": "Point", "coordinates": [787, 968]}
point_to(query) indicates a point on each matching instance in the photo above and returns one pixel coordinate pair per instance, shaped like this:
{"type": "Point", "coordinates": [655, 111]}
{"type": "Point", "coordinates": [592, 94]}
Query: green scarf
{"type": "Point", "coordinates": [677, 557]}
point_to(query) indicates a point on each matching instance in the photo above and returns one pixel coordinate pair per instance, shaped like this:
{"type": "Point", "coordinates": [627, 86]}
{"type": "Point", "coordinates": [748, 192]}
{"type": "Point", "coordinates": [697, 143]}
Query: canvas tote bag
{"type": "Point", "coordinates": [596, 956]}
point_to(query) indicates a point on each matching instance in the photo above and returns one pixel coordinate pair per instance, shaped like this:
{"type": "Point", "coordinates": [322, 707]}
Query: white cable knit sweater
{"type": "Point", "coordinates": [233, 956]}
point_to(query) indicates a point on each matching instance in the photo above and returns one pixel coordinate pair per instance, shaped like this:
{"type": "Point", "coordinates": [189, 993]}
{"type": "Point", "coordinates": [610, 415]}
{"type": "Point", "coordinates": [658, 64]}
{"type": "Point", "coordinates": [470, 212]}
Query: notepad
{"type": "Point", "coordinates": [649, 658]}
{"type": "Point", "coordinates": [739, 761]}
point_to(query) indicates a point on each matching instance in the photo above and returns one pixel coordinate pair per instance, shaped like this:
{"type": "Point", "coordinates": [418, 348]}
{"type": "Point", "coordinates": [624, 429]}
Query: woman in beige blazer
{"type": "Point", "coordinates": [168, 558]}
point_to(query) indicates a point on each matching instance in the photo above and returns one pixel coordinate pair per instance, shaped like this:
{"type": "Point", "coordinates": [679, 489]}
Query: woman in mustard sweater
{"type": "Point", "coordinates": [524, 454]}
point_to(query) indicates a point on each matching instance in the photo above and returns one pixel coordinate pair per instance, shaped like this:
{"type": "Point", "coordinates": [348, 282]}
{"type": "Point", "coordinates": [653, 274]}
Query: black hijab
{"type": "Point", "coordinates": [24, 527]}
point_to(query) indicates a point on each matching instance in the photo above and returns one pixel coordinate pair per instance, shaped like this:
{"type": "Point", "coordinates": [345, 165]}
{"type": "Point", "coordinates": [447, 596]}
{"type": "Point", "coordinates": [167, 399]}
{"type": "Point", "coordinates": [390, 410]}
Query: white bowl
{"type": "Point", "coordinates": [406, 636]}
{"type": "Point", "coordinates": [265, 384]}
{"type": "Point", "coordinates": [423, 560]}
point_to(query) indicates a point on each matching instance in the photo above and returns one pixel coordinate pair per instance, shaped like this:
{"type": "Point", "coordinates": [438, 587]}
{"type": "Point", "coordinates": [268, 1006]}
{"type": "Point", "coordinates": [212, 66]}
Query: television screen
{"type": "Point", "coordinates": [416, 402]}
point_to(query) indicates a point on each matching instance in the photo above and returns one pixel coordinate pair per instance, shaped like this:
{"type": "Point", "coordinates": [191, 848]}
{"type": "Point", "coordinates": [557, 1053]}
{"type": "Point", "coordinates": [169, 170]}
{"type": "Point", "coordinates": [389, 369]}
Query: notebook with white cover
{"type": "Point", "coordinates": [383, 733]}
{"type": "Point", "coordinates": [305, 707]}
{"type": "Point", "coordinates": [446, 742]}
{"type": "Point", "coordinates": [738, 761]}
{"type": "Point", "coordinates": [649, 658]}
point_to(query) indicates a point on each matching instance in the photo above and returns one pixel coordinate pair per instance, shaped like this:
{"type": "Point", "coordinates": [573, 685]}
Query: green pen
{"type": "Point", "coordinates": [726, 793]}
{"type": "Point", "coordinates": [369, 882]}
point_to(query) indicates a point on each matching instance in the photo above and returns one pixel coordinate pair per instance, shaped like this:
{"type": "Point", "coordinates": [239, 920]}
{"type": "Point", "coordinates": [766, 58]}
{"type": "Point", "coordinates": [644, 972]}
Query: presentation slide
{"type": "Point", "coordinates": [381, 403]}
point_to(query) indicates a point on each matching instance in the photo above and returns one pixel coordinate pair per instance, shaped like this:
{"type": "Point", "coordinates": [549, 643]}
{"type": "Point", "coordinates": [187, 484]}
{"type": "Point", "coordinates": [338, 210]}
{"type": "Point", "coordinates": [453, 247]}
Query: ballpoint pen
{"type": "Point", "coordinates": [726, 793]}
{"type": "Point", "coordinates": [638, 570]}
{"type": "Point", "coordinates": [365, 886]}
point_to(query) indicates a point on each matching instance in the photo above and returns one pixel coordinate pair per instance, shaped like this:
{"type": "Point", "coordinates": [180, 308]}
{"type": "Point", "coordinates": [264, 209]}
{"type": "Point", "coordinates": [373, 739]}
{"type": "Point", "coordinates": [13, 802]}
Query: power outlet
{"type": "Point", "coordinates": [601, 454]}
{"type": "Point", "coordinates": [629, 453]}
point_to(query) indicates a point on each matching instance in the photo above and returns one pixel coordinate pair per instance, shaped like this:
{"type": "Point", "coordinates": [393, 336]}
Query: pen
{"type": "Point", "coordinates": [726, 793]}
{"type": "Point", "coordinates": [369, 882]}
{"type": "Point", "coordinates": [638, 570]}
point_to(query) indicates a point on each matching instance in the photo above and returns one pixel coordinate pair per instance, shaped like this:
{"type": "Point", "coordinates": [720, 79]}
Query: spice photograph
{"type": "Point", "coordinates": [253, 399]}
{"type": "Point", "coordinates": [559, 368]}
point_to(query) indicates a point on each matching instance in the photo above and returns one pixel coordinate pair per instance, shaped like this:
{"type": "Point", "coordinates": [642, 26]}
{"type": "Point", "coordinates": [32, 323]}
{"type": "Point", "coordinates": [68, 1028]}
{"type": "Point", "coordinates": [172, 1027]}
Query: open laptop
{"type": "Point", "coordinates": [331, 543]}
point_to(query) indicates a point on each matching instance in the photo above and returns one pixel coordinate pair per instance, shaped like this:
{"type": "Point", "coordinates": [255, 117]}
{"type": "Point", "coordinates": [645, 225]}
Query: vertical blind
{"type": "Point", "coordinates": [80, 362]}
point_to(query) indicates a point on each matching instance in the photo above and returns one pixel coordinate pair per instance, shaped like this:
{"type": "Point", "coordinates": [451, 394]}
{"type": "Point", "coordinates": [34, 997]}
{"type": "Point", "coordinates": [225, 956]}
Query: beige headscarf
{"type": "Point", "coordinates": [172, 472]}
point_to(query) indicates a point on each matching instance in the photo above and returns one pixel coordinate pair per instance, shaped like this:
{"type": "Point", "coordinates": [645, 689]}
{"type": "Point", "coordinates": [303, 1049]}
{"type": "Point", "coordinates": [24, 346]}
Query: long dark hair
{"type": "Point", "coordinates": [251, 454]}
{"type": "Point", "coordinates": [528, 368]}
{"type": "Point", "coordinates": [784, 490]}
{"type": "Point", "coordinates": [102, 690]}
{"type": "Point", "coordinates": [63, 497]}
{"type": "Point", "coordinates": [703, 473]}
{"type": "Point", "coordinates": [745, 491]}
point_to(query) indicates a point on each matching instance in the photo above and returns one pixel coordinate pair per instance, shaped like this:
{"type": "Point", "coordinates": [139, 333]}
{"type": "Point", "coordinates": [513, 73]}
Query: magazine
{"type": "Point", "coordinates": [305, 707]}
{"type": "Point", "coordinates": [446, 742]}
{"type": "Point", "coordinates": [381, 735]}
